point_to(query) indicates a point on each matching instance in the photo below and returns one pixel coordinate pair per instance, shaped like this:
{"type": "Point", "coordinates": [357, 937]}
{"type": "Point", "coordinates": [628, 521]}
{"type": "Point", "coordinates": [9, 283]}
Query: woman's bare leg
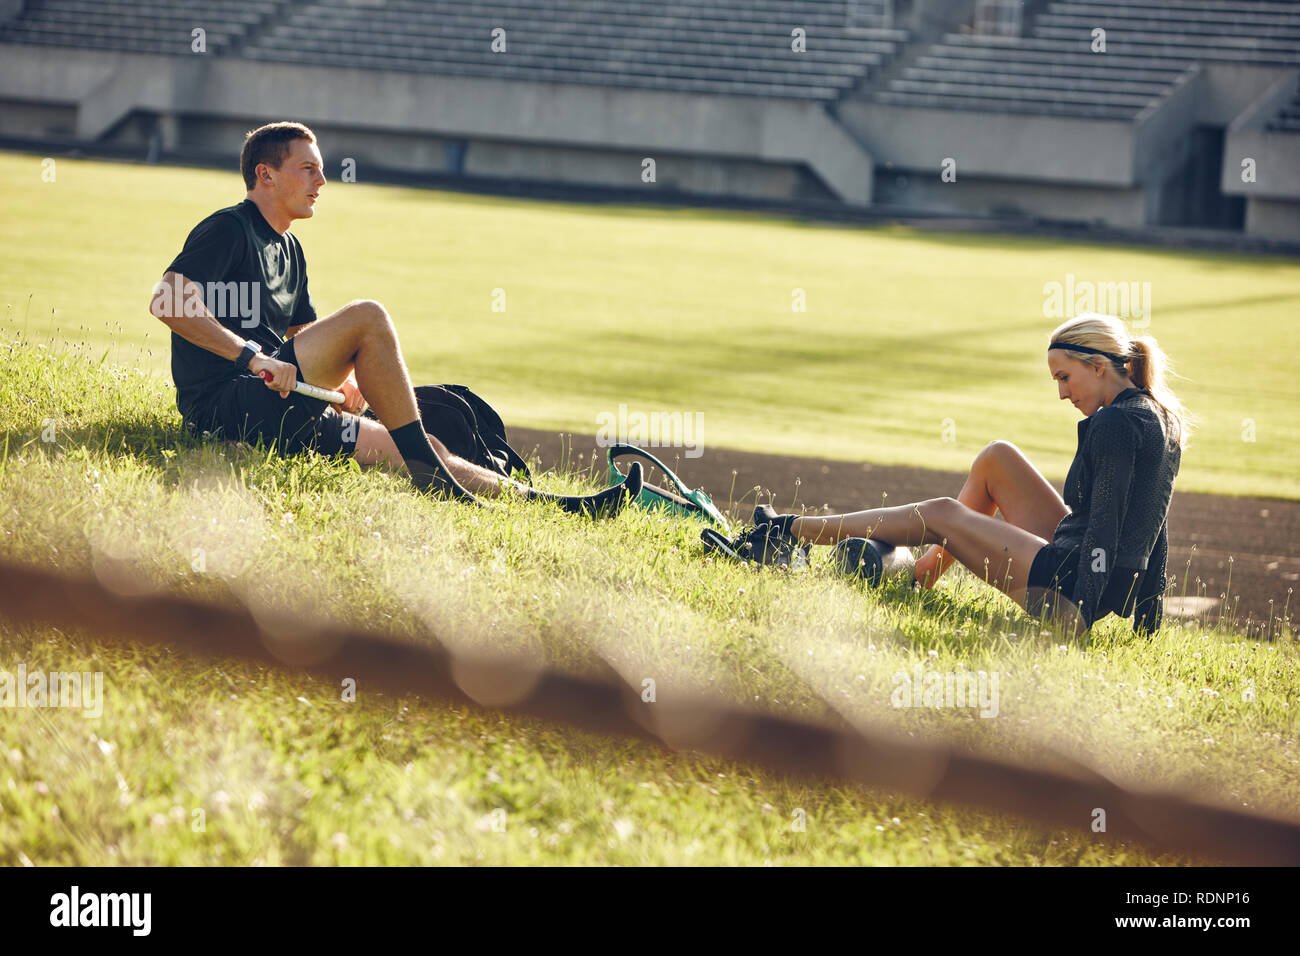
{"type": "Point", "coordinates": [998, 551]}
{"type": "Point", "coordinates": [1001, 479]}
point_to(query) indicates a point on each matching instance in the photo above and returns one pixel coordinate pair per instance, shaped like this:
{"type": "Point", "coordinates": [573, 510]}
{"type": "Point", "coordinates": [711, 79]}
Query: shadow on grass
{"type": "Point", "coordinates": [162, 446]}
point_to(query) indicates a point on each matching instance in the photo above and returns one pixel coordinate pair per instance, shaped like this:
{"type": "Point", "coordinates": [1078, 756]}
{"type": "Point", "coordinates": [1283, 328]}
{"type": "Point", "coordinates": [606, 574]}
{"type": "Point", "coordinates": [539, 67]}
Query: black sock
{"type": "Point", "coordinates": [413, 444]}
{"type": "Point", "coordinates": [427, 470]}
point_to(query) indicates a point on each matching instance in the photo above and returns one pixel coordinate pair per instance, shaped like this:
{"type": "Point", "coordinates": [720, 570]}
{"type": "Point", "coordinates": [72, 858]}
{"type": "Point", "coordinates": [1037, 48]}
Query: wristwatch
{"type": "Point", "coordinates": [246, 354]}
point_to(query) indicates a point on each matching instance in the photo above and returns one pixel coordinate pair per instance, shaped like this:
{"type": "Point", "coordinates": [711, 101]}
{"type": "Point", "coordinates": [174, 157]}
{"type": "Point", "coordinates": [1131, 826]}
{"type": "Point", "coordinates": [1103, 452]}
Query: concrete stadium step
{"type": "Point", "coordinates": [147, 11]}
{"type": "Point", "coordinates": [540, 54]}
{"type": "Point", "coordinates": [1200, 30]}
{"type": "Point", "coordinates": [976, 64]}
{"type": "Point", "coordinates": [739, 87]}
{"type": "Point", "coordinates": [1226, 46]}
{"type": "Point", "coordinates": [1025, 80]}
{"type": "Point", "coordinates": [1073, 58]}
{"type": "Point", "coordinates": [533, 43]}
{"type": "Point", "coordinates": [791, 13]}
{"type": "Point", "coordinates": [1071, 46]}
{"type": "Point", "coordinates": [951, 102]}
{"type": "Point", "coordinates": [1078, 50]}
{"type": "Point", "coordinates": [1288, 117]}
{"type": "Point", "coordinates": [1275, 14]}
{"type": "Point", "coordinates": [101, 21]}
{"type": "Point", "coordinates": [586, 34]}
{"type": "Point", "coordinates": [126, 39]}
{"type": "Point", "coordinates": [1019, 94]}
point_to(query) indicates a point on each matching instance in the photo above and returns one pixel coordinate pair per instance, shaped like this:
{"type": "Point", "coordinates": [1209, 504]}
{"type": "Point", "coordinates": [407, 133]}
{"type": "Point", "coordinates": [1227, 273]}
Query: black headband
{"type": "Point", "coordinates": [1087, 348]}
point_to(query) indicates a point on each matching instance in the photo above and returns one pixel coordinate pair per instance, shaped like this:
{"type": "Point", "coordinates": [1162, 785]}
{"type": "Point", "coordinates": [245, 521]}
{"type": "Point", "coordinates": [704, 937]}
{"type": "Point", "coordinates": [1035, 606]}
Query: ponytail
{"type": "Point", "coordinates": [1149, 367]}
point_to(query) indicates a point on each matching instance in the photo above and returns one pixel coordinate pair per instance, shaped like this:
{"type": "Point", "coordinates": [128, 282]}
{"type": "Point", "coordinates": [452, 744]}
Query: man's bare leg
{"type": "Point", "coordinates": [361, 337]}
{"type": "Point", "coordinates": [375, 447]}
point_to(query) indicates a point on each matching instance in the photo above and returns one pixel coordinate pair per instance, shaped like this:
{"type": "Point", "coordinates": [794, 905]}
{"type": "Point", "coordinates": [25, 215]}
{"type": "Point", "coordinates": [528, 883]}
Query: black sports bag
{"type": "Point", "coordinates": [469, 427]}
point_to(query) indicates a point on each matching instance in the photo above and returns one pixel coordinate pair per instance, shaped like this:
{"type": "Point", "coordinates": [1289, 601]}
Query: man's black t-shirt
{"type": "Point", "coordinates": [255, 284]}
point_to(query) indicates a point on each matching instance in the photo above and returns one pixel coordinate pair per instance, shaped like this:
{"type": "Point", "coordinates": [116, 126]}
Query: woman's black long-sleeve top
{"type": "Point", "coordinates": [1118, 490]}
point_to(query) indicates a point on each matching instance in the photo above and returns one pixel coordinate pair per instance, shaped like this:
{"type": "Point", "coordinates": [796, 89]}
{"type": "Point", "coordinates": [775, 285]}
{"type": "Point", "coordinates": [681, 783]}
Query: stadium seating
{"type": "Point", "coordinates": [1288, 119]}
{"type": "Point", "coordinates": [1150, 47]}
{"type": "Point", "coordinates": [726, 46]}
{"type": "Point", "coordinates": [142, 26]}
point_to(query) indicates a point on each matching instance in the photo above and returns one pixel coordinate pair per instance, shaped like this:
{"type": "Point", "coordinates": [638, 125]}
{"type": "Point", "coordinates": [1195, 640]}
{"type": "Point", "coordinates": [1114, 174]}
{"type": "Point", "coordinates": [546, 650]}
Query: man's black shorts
{"type": "Point", "coordinates": [244, 409]}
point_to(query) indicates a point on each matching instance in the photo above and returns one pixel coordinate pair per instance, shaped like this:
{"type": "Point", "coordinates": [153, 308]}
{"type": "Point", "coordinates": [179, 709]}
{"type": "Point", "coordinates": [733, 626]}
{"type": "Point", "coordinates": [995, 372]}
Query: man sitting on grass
{"type": "Point", "coordinates": [245, 331]}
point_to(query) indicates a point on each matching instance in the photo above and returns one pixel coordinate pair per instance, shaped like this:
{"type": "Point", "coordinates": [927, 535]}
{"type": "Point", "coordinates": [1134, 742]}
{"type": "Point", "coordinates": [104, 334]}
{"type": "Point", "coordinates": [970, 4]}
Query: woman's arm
{"type": "Point", "coordinates": [1150, 609]}
{"type": "Point", "coordinates": [1113, 442]}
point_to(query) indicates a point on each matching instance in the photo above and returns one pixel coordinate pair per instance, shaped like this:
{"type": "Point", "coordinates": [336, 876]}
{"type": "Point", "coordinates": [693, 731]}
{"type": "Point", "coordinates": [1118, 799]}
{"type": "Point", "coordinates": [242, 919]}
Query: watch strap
{"type": "Point", "coordinates": [246, 355]}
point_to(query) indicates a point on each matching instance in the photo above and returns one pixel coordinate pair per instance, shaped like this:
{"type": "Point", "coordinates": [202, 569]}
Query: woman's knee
{"type": "Point", "coordinates": [939, 510]}
{"type": "Point", "coordinates": [998, 451]}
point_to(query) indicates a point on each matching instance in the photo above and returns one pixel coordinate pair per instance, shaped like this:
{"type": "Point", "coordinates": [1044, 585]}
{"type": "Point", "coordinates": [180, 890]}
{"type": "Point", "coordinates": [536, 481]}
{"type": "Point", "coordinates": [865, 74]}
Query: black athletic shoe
{"type": "Point", "coordinates": [766, 515]}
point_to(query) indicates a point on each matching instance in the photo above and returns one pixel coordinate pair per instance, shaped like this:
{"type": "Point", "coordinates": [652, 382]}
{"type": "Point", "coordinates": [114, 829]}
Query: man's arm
{"type": "Point", "coordinates": [197, 325]}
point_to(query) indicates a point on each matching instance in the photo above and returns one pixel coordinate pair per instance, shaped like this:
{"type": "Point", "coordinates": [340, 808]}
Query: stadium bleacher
{"type": "Point", "coordinates": [1149, 48]}
{"type": "Point", "coordinates": [1288, 118]}
{"type": "Point", "coordinates": [142, 26]}
{"type": "Point", "coordinates": [727, 46]}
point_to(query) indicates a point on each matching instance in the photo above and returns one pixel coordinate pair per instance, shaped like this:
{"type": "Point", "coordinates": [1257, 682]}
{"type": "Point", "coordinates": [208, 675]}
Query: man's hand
{"type": "Point", "coordinates": [284, 375]}
{"type": "Point", "coordinates": [353, 401]}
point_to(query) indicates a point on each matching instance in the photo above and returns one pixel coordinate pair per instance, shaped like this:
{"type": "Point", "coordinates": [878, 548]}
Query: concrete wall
{"type": "Point", "coordinates": [1003, 145]}
{"type": "Point", "coordinates": [423, 153]}
{"type": "Point", "coordinates": [1231, 88]}
{"type": "Point", "coordinates": [1272, 220]}
{"type": "Point", "coordinates": [37, 120]}
{"type": "Point", "coordinates": [980, 196]}
{"type": "Point", "coordinates": [1276, 154]}
{"type": "Point", "coordinates": [110, 86]}
{"type": "Point", "coordinates": [697, 174]}
{"type": "Point", "coordinates": [1162, 127]}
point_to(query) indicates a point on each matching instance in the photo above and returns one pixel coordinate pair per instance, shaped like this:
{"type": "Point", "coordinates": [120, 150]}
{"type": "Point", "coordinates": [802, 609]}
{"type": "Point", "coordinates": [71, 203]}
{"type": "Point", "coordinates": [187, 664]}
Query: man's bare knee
{"type": "Point", "coordinates": [372, 316]}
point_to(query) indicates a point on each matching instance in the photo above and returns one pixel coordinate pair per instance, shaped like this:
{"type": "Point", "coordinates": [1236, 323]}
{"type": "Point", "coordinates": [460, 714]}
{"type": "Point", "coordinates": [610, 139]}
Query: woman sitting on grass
{"type": "Point", "coordinates": [1103, 546]}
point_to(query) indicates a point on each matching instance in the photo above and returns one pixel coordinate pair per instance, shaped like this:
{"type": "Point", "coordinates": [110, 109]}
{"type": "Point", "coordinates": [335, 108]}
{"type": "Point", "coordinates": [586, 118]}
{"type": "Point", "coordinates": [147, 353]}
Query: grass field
{"type": "Point", "coordinates": [285, 772]}
{"type": "Point", "coordinates": [686, 311]}
{"type": "Point", "coordinates": [692, 312]}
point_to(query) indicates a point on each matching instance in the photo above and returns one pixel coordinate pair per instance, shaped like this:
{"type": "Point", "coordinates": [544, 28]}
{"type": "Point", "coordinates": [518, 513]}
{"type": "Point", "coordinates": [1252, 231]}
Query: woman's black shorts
{"type": "Point", "coordinates": [244, 409]}
{"type": "Point", "coordinates": [1057, 569]}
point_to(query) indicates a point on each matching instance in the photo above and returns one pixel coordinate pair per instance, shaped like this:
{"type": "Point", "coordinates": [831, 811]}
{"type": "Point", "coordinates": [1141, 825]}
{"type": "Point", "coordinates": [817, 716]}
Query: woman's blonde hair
{"type": "Point", "coordinates": [1142, 360]}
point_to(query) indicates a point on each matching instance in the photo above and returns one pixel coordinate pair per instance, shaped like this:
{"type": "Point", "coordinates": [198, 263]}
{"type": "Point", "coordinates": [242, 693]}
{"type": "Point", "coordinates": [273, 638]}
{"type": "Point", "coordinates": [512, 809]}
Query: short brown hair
{"type": "Point", "coordinates": [269, 144]}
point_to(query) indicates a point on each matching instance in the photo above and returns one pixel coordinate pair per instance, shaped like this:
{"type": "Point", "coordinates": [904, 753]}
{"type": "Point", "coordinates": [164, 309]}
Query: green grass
{"type": "Point", "coordinates": [691, 311]}
{"type": "Point", "coordinates": [285, 772]}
